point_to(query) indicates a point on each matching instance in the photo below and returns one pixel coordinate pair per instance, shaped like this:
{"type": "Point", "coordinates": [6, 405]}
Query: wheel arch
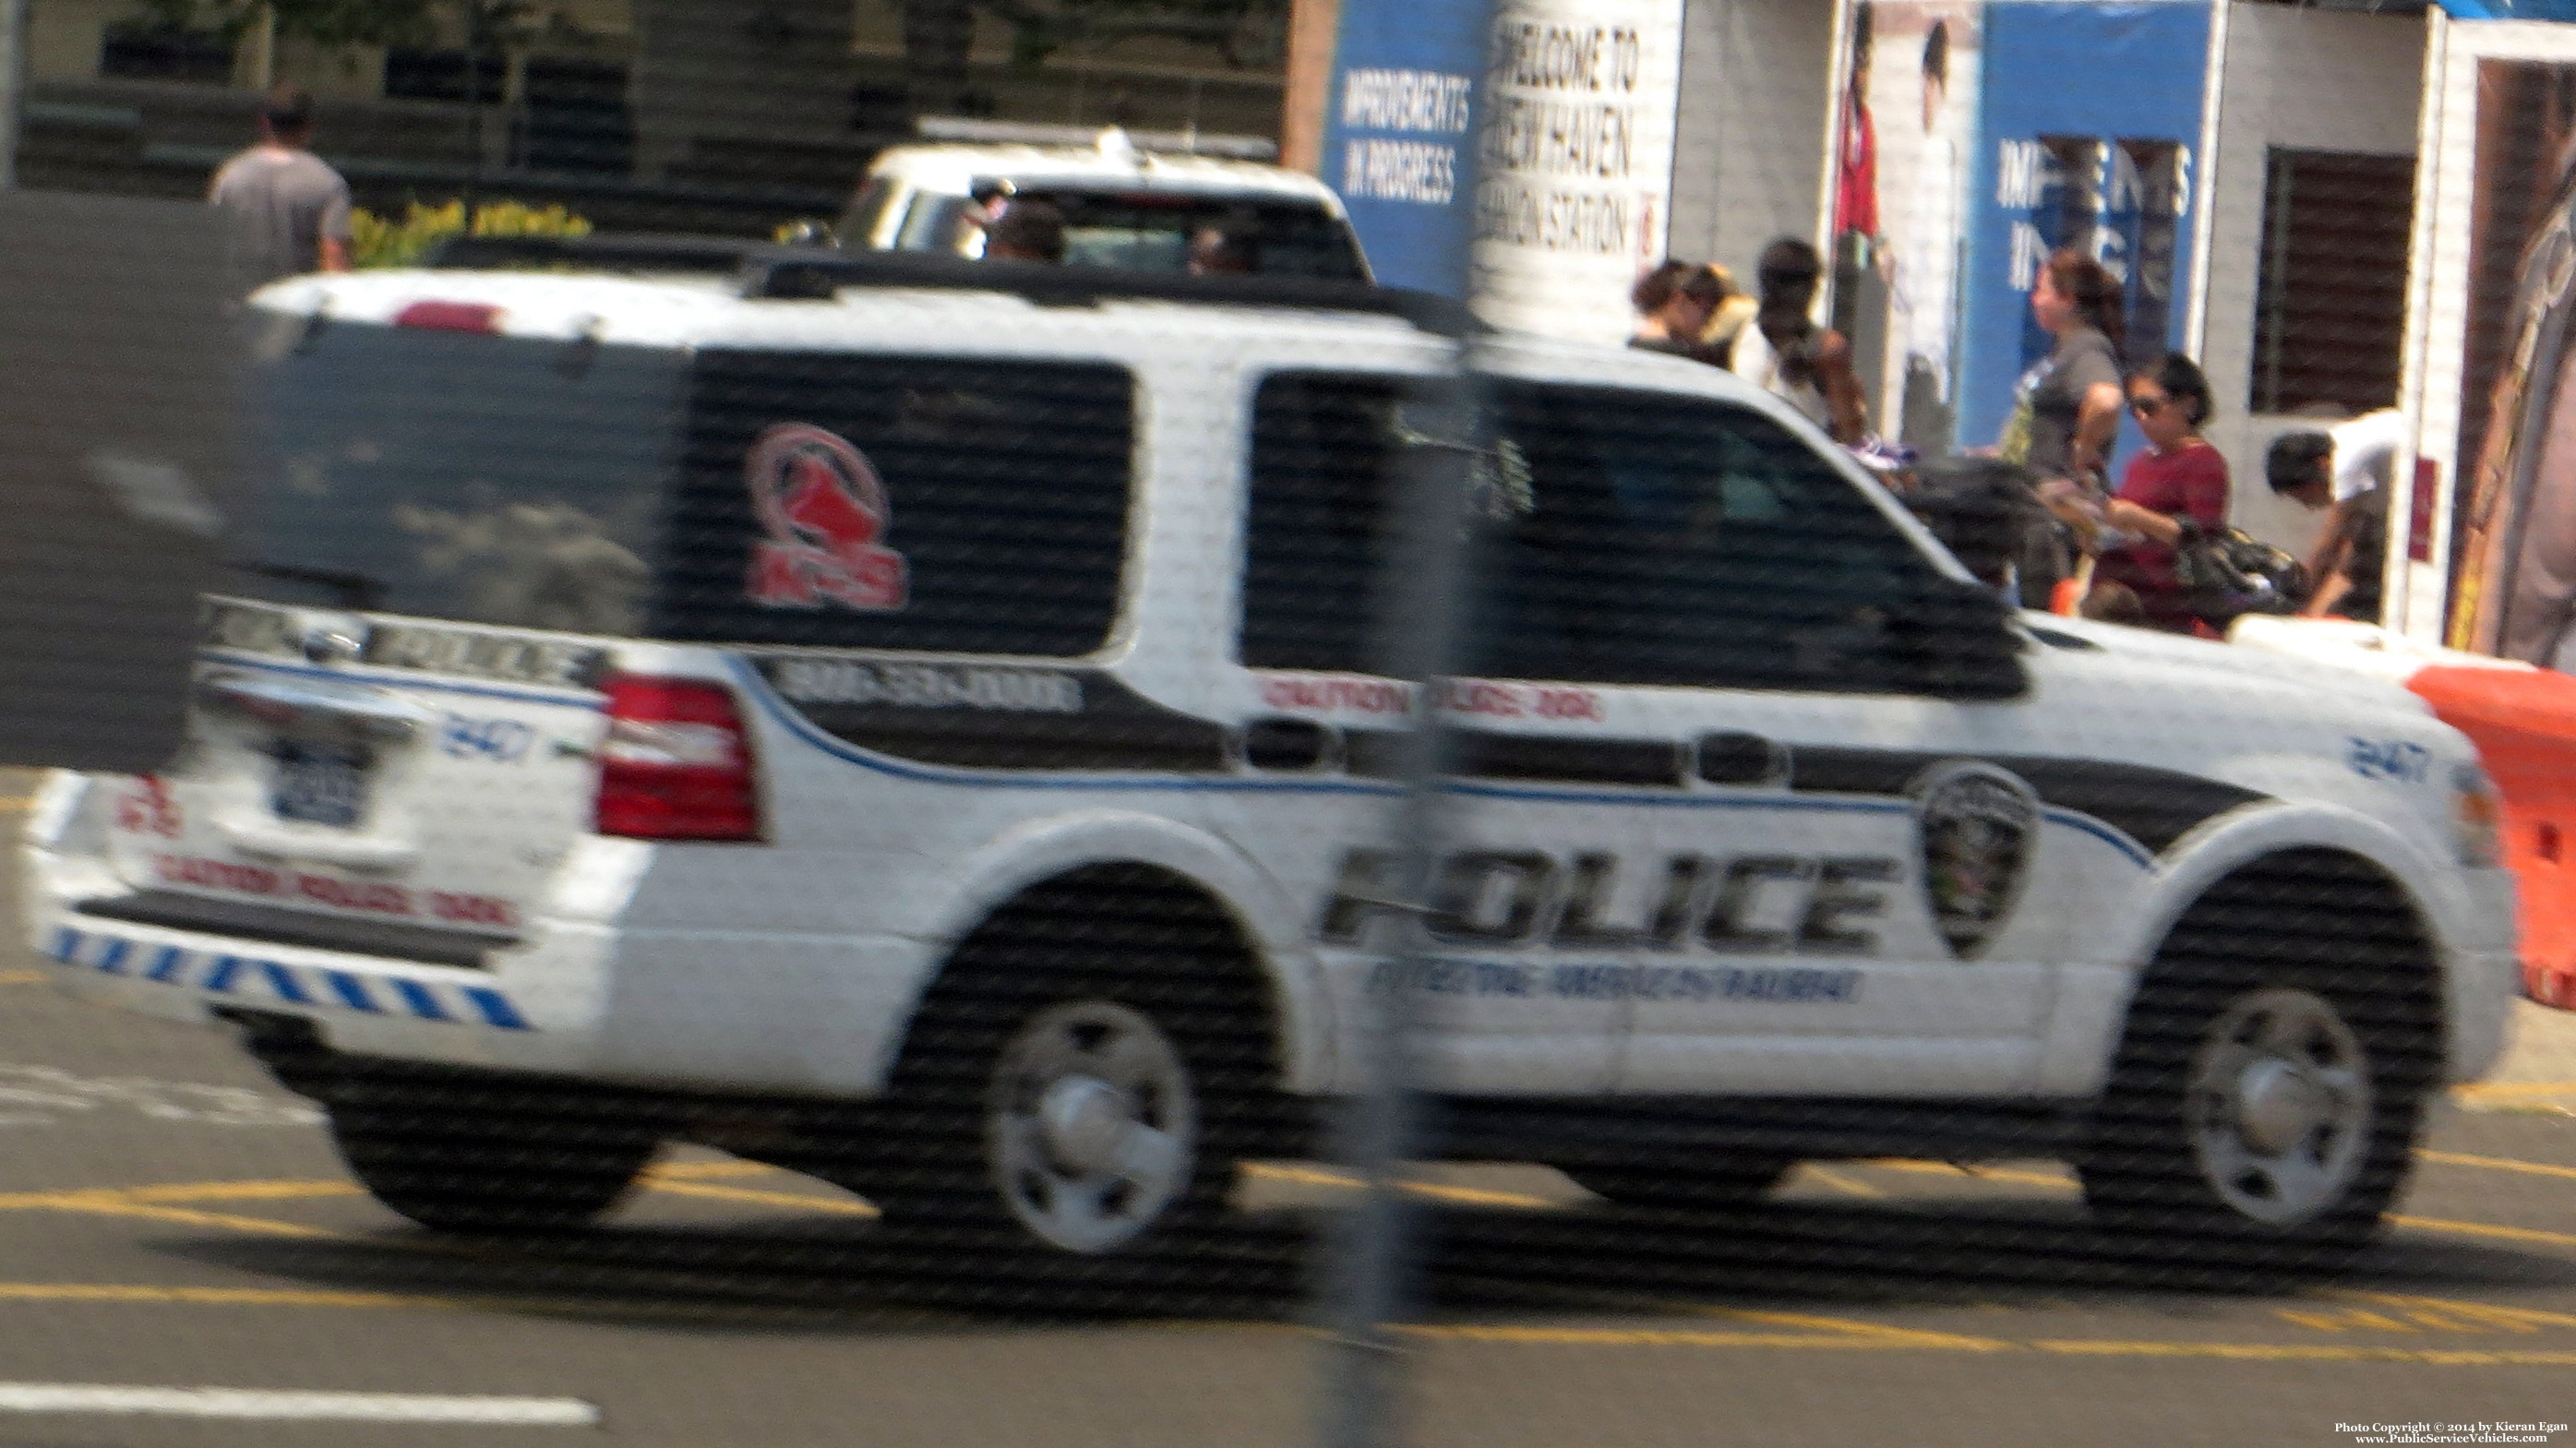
{"type": "Point", "coordinates": [2093, 1007]}
{"type": "Point", "coordinates": [1008, 868]}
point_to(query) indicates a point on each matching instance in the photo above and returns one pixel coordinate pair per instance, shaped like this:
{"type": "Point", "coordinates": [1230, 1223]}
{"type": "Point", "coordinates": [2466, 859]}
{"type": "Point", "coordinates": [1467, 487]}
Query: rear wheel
{"type": "Point", "coordinates": [463, 1153]}
{"type": "Point", "coordinates": [1083, 1079]}
{"type": "Point", "coordinates": [2272, 1075]}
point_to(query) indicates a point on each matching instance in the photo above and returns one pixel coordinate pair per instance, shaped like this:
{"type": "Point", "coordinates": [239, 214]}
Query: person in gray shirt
{"type": "Point", "coordinates": [289, 211]}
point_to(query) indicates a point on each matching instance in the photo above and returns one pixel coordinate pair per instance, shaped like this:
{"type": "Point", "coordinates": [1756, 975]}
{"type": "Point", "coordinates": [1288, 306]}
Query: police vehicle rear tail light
{"type": "Point", "coordinates": [676, 764]}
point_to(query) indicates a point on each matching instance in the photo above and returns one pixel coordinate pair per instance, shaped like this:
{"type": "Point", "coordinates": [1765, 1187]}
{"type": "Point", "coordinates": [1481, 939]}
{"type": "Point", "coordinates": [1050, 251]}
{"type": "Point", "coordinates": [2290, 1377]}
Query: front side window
{"type": "Point", "coordinates": [1632, 538]}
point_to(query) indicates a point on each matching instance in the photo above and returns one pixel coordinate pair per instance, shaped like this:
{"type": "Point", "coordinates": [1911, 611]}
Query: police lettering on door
{"type": "Point", "coordinates": [1749, 905]}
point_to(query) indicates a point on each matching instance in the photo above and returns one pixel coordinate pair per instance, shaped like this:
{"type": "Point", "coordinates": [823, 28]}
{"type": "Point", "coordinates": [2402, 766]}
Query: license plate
{"type": "Point", "coordinates": [320, 786]}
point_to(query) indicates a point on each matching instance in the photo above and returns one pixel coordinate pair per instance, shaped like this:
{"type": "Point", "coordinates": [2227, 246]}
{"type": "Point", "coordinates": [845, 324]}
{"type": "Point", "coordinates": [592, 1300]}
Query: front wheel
{"type": "Point", "coordinates": [2260, 1104]}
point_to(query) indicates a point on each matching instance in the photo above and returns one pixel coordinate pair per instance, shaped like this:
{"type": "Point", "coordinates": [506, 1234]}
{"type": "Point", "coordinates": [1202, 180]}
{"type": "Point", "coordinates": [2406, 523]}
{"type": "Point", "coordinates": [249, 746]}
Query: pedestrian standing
{"type": "Point", "coordinates": [288, 210]}
{"type": "Point", "coordinates": [2067, 409]}
{"type": "Point", "coordinates": [2171, 493]}
{"type": "Point", "coordinates": [1674, 304]}
{"type": "Point", "coordinates": [1786, 354]}
{"type": "Point", "coordinates": [2351, 553]}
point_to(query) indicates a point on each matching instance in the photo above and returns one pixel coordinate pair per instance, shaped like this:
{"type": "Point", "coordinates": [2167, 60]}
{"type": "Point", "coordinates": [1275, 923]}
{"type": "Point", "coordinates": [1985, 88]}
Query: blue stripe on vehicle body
{"type": "Point", "coordinates": [419, 999]}
{"type": "Point", "coordinates": [283, 981]}
{"type": "Point", "coordinates": [805, 729]}
{"type": "Point", "coordinates": [300, 985]}
{"type": "Point", "coordinates": [352, 992]}
{"type": "Point", "coordinates": [496, 1008]}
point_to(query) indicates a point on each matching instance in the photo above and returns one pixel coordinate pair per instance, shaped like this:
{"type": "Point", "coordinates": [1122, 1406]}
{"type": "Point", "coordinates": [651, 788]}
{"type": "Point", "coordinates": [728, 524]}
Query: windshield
{"type": "Point", "coordinates": [460, 476]}
{"type": "Point", "coordinates": [1155, 231]}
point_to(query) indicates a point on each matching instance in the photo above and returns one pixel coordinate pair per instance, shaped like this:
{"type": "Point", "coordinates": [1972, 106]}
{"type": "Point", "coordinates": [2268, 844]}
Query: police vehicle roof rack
{"type": "Point", "coordinates": [802, 273]}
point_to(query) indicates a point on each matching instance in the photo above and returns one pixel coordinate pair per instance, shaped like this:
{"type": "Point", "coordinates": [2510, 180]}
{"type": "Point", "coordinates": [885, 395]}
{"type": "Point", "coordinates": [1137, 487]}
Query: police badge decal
{"type": "Point", "coordinates": [1978, 827]}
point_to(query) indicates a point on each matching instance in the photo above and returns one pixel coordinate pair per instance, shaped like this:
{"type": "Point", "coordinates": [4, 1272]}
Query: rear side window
{"type": "Point", "coordinates": [1321, 449]}
{"type": "Point", "coordinates": [949, 505]}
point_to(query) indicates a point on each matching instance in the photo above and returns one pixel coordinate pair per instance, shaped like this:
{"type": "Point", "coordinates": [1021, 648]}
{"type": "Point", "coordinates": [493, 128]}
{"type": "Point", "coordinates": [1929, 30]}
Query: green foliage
{"type": "Point", "coordinates": [378, 241]}
{"type": "Point", "coordinates": [350, 22]}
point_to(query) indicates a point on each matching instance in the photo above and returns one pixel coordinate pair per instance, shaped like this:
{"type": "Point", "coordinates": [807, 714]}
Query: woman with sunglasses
{"type": "Point", "coordinates": [2175, 488]}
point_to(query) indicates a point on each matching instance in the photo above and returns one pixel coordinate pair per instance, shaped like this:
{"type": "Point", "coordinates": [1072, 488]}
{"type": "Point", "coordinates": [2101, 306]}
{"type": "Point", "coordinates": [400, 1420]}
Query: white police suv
{"type": "Point", "coordinates": [914, 721]}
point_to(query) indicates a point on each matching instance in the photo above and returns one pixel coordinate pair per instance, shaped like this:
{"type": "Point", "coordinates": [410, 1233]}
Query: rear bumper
{"type": "Point", "coordinates": [358, 1004]}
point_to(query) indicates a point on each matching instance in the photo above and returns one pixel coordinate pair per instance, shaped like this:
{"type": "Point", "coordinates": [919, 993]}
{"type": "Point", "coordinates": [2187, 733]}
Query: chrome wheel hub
{"type": "Point", "coordinates": [1091, 1125]}
{"type": "Point", "coordinates": [2280, 1106]}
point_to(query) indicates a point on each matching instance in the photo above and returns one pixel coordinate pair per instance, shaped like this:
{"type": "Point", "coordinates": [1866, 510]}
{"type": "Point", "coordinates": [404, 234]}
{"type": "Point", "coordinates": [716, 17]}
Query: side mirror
{"type": "Point", "coordinates": [1955, 642]}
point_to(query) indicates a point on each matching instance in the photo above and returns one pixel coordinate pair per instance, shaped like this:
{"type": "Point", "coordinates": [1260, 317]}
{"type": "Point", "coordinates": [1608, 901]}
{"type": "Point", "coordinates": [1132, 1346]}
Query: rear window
{"type": "Point", "coordinates": [457, 476]}
{"type": "Point", "coordinates": [1152, 231]}
{"type": "Point", "coordinates": [923, 503]}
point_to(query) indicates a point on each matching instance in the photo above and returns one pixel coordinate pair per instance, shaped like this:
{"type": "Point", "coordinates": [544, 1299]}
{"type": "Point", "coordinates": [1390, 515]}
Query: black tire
{"type": "Point", "coordinates": [1123, 982]}
{"type": "Point", "coordinates": [2271, 1078]}
{"type": "Point", "coordinates": [1685, 1183]}
{"type": "Point", "coordinates": [469, 1153]}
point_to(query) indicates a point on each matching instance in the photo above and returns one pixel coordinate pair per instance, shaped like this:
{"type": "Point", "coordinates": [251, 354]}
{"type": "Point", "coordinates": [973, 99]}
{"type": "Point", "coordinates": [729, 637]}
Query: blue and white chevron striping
{"type": "Point", "coordinates": [295, 985]}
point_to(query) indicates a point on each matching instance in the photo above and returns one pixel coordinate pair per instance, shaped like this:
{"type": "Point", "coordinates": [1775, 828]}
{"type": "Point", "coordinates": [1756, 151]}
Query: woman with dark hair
{"type": "Point", "coordinates": [2069, 409]}
{"type": "Point", "coordinates": [2173, 491]}
{"type": "Point", "coordinates": [1674, 304]}
{"type": "Point", "coordinates": [1786, 354]}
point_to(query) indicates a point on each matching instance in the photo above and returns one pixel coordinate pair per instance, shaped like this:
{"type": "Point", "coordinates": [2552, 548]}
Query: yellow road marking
{"type": "Point", "coordinates": [2497, 1163]}
{"type": "Point", "coordinates": [799, 1200]}
{"type": "Point", "coordinates": [2486, 1229]}
{"type": "Point", "coordinates": [23, 801]}
{"type": "Point", "coordinates": [24, 977]}
{"type": "Point", "coordinates": [1982, 1173]}
{"type": "Point", "coordinates": [2517, 1319]}
{"type": "Point", "coordinates": [112, 1203]}
{"type": "Point", "coordinates": [1848, 1185]}
{"type": "Point", "coordinates": [1631, 1337]}
{"type": "Point", "coordinates": [1474, 1196]}
{"type": "Point", "coordinates": [703, 1170]}
{"type": "Point", "coordinates": [2306, 1352]}
{"type": "Point", "coordinates": [246, 1191]}
{"type": "Point", "coordinates": [2485, 1090]}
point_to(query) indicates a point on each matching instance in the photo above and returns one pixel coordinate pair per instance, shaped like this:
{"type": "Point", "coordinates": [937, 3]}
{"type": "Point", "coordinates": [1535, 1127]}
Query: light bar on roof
{"type": "Point", "coordinates": [1033, 133]}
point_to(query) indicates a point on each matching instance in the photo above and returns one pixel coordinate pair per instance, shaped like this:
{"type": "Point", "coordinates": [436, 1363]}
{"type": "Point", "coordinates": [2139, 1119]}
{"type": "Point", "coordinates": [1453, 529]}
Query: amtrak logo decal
{"type": "Point", "coordinates": [1979, 828]}
{"type": "Point", "coordinates": [824, 508]}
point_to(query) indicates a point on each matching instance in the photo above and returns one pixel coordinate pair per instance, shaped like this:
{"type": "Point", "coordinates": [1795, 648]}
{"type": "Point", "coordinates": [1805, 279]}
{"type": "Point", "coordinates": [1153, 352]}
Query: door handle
{"type": "Point", "coordinates": [1291, 744]}
{"type": "Point", "coordinates": [1735, 757]}
{"type": "Point", "coordinates": [306, 708]}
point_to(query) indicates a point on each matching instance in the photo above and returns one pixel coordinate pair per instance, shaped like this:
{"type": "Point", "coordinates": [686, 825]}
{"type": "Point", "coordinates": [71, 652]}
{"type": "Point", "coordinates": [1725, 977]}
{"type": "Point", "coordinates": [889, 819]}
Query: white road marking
{"type": "Point", "coordinates": [301, 1406]}
{"type": "Point", "coordinates": [43, 1095]}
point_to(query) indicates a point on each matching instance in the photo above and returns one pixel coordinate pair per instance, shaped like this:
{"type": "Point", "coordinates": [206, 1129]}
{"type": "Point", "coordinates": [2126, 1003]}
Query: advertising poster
{"type": "Point", "coordinates": [2499, 404]}
{"type": "Point", "coordinates": [1399, 126]}
{"type": "Point", "coordinates": [1975, 139]}
{"type": "Point", "coordinates": [1907, 135]}
{"type": "Point", "coordinates": [1577, 162]}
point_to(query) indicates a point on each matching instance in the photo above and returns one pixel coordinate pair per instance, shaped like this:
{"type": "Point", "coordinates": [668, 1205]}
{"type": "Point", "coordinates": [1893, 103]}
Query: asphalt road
{"type": "Point", "coordinates": [171, 1219]}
